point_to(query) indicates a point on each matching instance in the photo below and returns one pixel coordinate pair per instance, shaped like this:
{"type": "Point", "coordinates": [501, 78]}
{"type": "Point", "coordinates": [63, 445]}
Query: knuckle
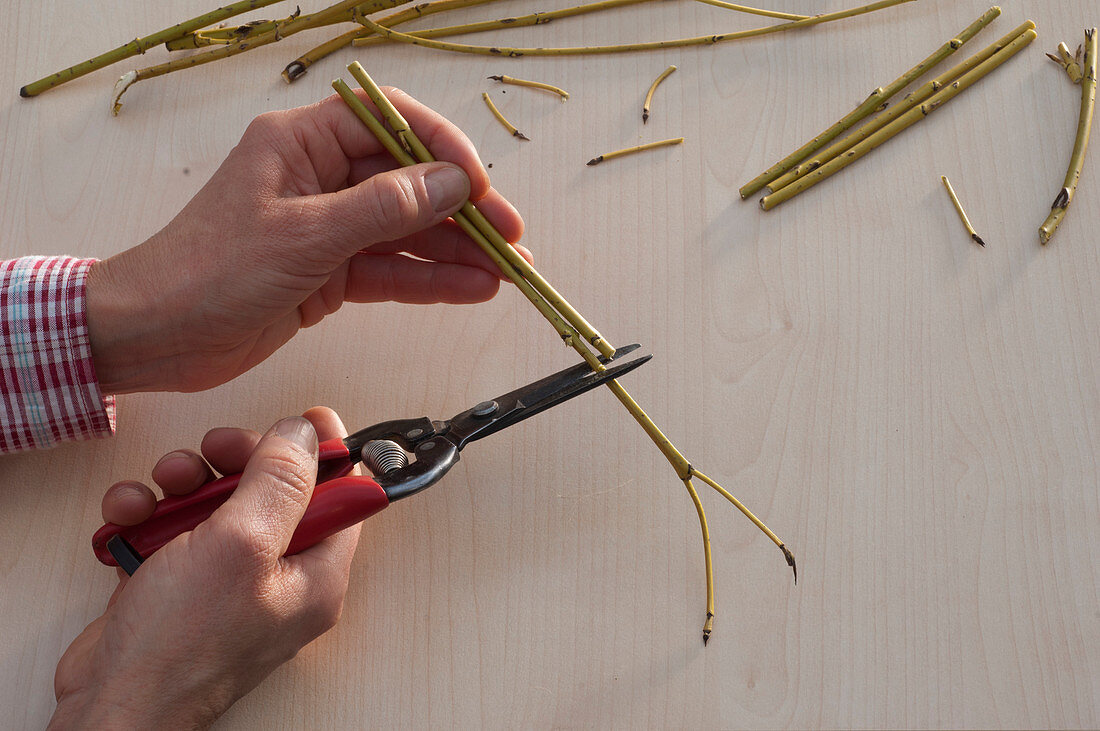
{"type": "Point", "coordinates": [393, 203]}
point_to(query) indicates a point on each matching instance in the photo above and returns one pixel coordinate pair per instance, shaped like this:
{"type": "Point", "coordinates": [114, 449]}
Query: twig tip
{"type": "Point", "coordinates": [978, 240]}
{"type": "Point", "coordinates": [790, 560]}
{"type": "Point", "coordinates": [23, 92]}
{"type": "Point", "coordinates": [595, 161]}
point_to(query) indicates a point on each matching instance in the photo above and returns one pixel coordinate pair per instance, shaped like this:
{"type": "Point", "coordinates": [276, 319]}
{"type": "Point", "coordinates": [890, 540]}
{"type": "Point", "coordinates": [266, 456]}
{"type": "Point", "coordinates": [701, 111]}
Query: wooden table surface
{"type": "Point", "coordinates": [919, 418]}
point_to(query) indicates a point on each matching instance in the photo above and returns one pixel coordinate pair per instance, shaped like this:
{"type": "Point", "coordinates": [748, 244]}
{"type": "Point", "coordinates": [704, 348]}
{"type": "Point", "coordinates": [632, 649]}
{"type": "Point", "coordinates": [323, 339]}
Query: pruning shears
{"type": "Point", "coordinates": [341, 500]}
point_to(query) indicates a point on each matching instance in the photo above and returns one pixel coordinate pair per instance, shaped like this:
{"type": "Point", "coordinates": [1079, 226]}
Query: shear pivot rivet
{"type": "Point", "coordinates": [484, 409]}
{"type": "Point", "coordinates": [426, 446]}
{"type": "Point", "coordinates": [413, 433]}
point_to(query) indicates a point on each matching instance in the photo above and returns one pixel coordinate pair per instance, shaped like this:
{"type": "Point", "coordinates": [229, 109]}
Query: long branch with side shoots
{"type": "Point", "coordinates": [141, 45]}
{"type": "Point", "coordinates": [652, 88]}
{"type": "Point", "coordinates": [874, 102]}
{"type": "Point", "coordinates": [502, 119]}
{"type": "Point", "coordinates": [1080, 144]}
{"type": "Point", "coordinates": [901, 123]}
{"type": "Point", "coordinates": [294, 24]}
{"type": "Point", "coordinates": [707, 40]}
{"type": "Point", "coordinates": [298, 66]}
{"type": "Point", "coordinates": [368, 37]}
{"type": "Point", "coordinates": [910, 102]}
{"type": "Point", "coordinates": [500, 251]}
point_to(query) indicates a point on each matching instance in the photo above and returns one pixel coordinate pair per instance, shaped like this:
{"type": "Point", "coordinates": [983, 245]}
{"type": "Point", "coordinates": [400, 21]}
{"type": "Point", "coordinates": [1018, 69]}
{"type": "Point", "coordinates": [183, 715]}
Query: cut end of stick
{"type": "Point", "coordinates": [790, 561]}
{"type": "Point", "coordinates": [978, 240]}
{"type": "Point", "coordinates": [595, 161]}
{"type": "Point", "coordinates": [23, 92]}
{"type": "Point", "coordinates": [520, 135]}
{"type": "Point", "coordinates": [124, 82]}
{"type": "Point", "coordinates": [708, 626]}
{"type": "Point", "coordinates": [645, 116]}
{"type": "Point", "coordinates": [294, 70]}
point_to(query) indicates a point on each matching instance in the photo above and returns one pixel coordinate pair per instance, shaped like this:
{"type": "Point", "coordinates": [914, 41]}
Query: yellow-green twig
{"type": "Point", "coordinates": [637, 148]}
{"type": "Point", "coordinates": [903, 122]}
{"type": "Point", "coordinates": [873, 103]}
{"type": "Point", "coordinates": [962, 213]}
{"type": "Point", "coordinates": [501, 118]}
{"type": "Point", "coordinates": [140, 45]}
{"type": "Point", "coordinates": [910, 102]}
{"type": "Point", "coordinates": [1071, 62]}
{"type": "Point", "coordinates": [369, 38]}
{"type": "Point", "coordinates": [754, 11]}
{"type": "Point", "coordinates": [504, 79]}
{"type": "Point", "coordinates": [652, 88]}
{"type": "Point", "coordinates": [1081, 143]}
{"type": "Point", "coordinates": [707, 40]}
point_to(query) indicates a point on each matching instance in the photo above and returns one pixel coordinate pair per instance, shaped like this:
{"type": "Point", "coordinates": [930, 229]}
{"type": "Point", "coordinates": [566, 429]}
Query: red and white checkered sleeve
{"type": "Point", "coordinates": [50, 391]}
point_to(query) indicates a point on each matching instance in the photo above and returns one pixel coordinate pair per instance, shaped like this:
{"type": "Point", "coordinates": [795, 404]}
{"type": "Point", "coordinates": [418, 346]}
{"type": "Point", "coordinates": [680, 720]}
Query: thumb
{"type": "Point", "coordinates": [394, 204]}
{"type": "Point", "coordinates": [261, 515]}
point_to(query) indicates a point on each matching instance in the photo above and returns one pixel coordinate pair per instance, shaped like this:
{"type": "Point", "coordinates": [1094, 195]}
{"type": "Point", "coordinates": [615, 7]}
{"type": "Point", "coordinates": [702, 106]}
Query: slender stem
{"type": "Point", "coordinates": [298, 66]}
{"type": "Point", "coordinates": [369, 38]}
{"type": "Point", "coordinates": [901, 123]}
{"type": "Point", "coordinates": [1080, 145]}
{"type": "Point", "coordinates": [708, 623]}
{"type": "Point", "coordinates": [420, 40]}
{"type": "Point", "coordinates": [652, 88]}
{"type": "Point", "coordinates": [910, 102]}
{"type": "Point", "coordinates": [504, 79]}
{"type": "Point", "coordinates": [140, 45]}
{"type": "Point", "coordinates": [281, 30]}
{"type": "Point", "coordinates": [501, 118]}
{"type": "Point", "coordinates": [1069, 61]}
{"type": "Point", "coordinates": [221, 36]}
{"type": "Point", "coordinates": [873, 103]}
{"type": "Point", "coordinates": [754, 11]}
{"type": "Point", "coordinates": [637, 148]}
{"type": "Point", "coordinates": [406, 135]}
{"type": "Point", "coordinates": [962, 213]}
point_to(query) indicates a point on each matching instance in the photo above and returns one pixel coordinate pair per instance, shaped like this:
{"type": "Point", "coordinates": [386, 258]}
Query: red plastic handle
{"type": "Point", "coordinates": [338, 502]}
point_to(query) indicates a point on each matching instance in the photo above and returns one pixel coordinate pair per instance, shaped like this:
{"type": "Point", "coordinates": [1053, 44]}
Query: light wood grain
{"type": "Point", "coordinates": [919, 418]}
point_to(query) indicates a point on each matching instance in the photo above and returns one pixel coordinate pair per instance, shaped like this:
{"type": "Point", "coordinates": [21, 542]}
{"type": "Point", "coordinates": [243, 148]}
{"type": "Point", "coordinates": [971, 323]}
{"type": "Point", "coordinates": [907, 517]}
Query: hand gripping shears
{"type": "Point", "coordinates": [341, 500]}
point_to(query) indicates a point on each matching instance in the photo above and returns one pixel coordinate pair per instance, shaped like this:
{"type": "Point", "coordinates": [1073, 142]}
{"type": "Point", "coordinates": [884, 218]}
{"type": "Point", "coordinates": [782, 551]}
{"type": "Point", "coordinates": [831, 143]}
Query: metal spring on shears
{"type": "Point", "coordinates": [381, 457]}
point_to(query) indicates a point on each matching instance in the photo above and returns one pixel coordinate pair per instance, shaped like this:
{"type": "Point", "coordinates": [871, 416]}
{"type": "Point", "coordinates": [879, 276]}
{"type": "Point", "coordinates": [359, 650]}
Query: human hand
{"type": "Point", "coordinates": [306, 213]}
{"type": "Point", "coordinates": [213, 612]}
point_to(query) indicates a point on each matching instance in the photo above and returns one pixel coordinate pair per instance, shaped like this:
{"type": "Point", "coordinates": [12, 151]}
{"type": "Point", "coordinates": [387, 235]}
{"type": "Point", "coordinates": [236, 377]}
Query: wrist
{"type": "Point", "coordinates": [128, 708]}
{"type": "Point", "coordinates": [127, 337]}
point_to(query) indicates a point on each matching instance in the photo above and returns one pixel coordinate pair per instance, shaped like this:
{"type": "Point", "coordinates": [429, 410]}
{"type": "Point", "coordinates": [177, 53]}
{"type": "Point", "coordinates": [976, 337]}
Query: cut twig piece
{"type": "Point", "coordinates": [872, 104]}
{"type": "Point", "coordinates": [754, 11]}
{"type": "Point", "coordinates": [910, 102]}
{"type": "Point", "coordinates": [1080, 145]}
{"type": "Point", "coordinates": [652, 88]}
{"type": "Point", "coordinates": [532, 85]}
{"type": "Point", "coordinates": [368, 37]}
{"type": "Point", "coordinates": [500, 118]}
{"type": "Point", "coordinates": [631, 150]}
{"type": "Point", "coordinates": [962, 213]}
{"type": "Point", "coordinates": [901, 123]}
{"type": "Point", "coordinates": [627, 47]}
{"type": "Point", "coordinates": [141, 45]}
{"type": "Point", "coordinates": [1071, 62]}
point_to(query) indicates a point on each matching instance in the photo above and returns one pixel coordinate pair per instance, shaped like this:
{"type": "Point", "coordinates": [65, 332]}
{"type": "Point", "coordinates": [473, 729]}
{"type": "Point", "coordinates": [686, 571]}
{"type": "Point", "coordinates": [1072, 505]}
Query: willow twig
{"type": "Point", "coordinates": [298, 66]}
{"type": "Point", "coordinates": [962, 213]}
{"type": "Point", "coordinates": [910, 102]}
{"type": "Point", "coordinates": [369, 38]}
{"type": "Point", "coordinates": [420, 40]}
{"type": "Point", "coordinates": [282, 30]}
{"type": "Point", "coordinates": [652, 88]}
{"type": "Point", "coordinates": [501, 118]}
{"type": "Point", "coordinates": [901, 123]}
{"type": "Point", "coordinates": [1081, 143]}
{"type": "Point", "coordinates": [1071, 62]}
{"type": "Point", "coordinates": [754, 11]}
{"type": "Point", "coordinates": [221, 36]}
{"type": "Point", "coordinates": [874, 102]}
{"type": "Point", "coordinates": [505, 79]}
{"type": "Point", "coordinates": [497, 247]}
{"type": "Point", "coordinates": [631, 150]}
{"type": "Point", "coordinates": [141, 45]}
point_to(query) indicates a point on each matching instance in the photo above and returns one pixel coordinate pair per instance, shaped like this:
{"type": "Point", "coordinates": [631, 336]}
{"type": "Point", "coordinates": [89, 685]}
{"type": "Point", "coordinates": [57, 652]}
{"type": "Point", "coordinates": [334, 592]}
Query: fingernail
{"type": "Point", "coordinates": [448, 188]}
{"type": "Point", "coordinates": [299, 431]}
{"type": "Point", "coordinates": [172, 456]}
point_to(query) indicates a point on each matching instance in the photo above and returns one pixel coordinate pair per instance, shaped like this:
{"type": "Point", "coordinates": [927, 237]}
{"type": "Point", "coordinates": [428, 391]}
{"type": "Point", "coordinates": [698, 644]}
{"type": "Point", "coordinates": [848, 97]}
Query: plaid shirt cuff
{"type": "Point", "coordinates": [50, 391]}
